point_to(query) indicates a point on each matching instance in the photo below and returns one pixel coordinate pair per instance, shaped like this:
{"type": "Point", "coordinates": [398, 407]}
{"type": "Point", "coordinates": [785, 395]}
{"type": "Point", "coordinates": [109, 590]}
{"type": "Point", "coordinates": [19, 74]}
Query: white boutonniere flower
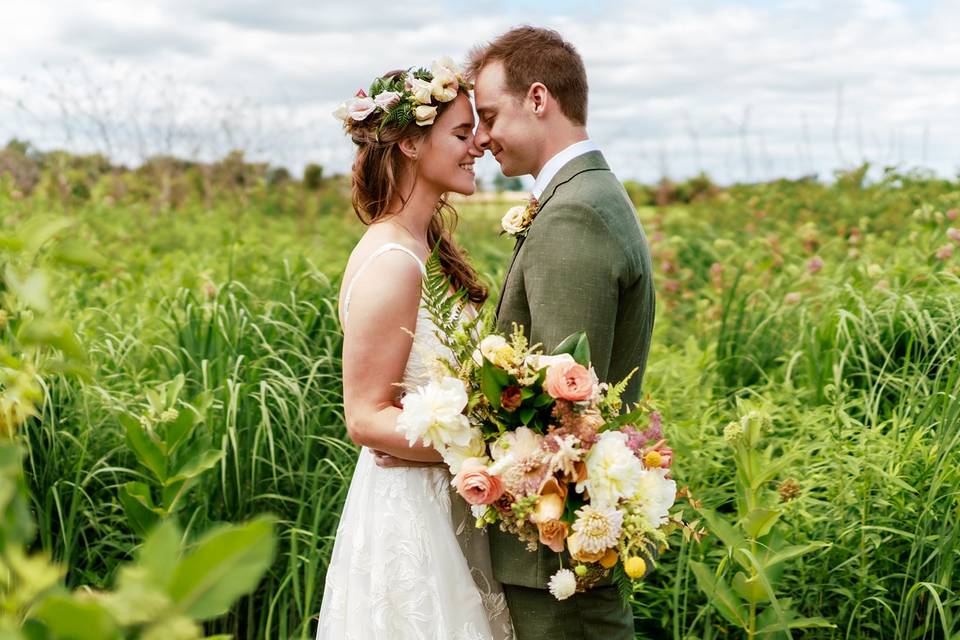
{"type": "Point", "coordinates": [519, 218]}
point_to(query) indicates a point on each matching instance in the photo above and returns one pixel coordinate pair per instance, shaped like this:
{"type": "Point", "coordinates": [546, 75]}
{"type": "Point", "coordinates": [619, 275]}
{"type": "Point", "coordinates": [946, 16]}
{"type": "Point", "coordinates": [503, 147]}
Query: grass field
{"type": "Point", "coordinates": [805, 360]}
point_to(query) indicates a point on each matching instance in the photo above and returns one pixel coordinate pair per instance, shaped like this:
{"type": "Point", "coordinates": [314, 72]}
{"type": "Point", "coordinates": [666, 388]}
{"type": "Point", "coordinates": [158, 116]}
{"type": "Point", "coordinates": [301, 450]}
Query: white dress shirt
{"type": "Point", "coordinates": [557, 162]}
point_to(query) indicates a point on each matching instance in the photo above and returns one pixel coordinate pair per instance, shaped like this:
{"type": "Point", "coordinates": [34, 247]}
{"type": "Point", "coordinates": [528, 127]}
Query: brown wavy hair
{"type": "Point", "coordinates": [378, 169]}
{"type": "Point", "coordinates": [532, 54]}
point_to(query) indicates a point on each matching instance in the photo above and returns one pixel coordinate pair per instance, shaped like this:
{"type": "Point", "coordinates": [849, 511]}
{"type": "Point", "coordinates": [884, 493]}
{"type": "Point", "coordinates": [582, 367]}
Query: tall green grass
{"type": "Point", "coordinates": [856, 366]}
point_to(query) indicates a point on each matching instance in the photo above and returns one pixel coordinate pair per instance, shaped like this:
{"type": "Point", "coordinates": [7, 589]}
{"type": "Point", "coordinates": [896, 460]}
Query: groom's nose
{"type": "Point", "coordinates": [481, 138]}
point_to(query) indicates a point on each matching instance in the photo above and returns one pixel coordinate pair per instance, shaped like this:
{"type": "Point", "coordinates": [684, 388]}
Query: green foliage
{"type": "Point", "coordinates": [233, 286]}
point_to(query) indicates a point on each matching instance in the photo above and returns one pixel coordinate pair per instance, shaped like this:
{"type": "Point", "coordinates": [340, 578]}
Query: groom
{"type": "Point", "coordinates": [584, 264]}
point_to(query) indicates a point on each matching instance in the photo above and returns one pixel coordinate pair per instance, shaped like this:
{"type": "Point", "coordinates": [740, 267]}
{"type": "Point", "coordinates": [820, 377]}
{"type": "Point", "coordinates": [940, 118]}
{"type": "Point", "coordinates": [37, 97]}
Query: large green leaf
{"type": "Point", "coordinates": [577, 346]}
{"type": "Point", "coordinates": [160, 553]}
{"type": "Point", "coordinates": [148, 451]}
{"type": "Point", "coordinates": [489, 385]}
{"type": "Point", "coordinates": [727, 533]}
{"type": "Point", "coordinates": [138, 505]}
{"type": "Point", "coordinates": [721, 596]}
{"type": "Point", "coordinates": [179, 429]}
{"type": "Point", "coordinates": [196, 465]}
{"type": "Point", "coordinates": [759, 522]}
{"type": "Point", "coordinates": [749, 589]}
{"type": "Point", "coordinates": [225, 565]}
{"type": "Point", "coordinates": [793, 551]}
{"type": "Point", "coordinates": [70, 619]}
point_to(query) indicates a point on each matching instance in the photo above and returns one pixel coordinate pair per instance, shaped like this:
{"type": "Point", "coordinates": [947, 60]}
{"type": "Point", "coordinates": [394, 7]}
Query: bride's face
{"type": "Point", "coordinates": [448, 153]}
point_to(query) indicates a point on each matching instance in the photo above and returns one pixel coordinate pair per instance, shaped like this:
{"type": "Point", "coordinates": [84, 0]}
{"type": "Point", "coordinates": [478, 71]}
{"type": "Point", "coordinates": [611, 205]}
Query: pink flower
{"type": "Point", "coordinates": [475, 483]}
{"type": "Point", "coordinates": [944, 252]}
{"type": "Point", "coordinates": [387, 99]}
{"type": "Point", "coordinates": [360, 108]}
{"type": "Point", "coordinates": [792, 298]}
{"type": "Point", "coordinates": [954, 234]}
{"type": "Point", "coordinates": [814, 265]}
{"type": "Point", "coordinates": [953, 214]}
{"type": "Point", "coordinates": [569, 381]}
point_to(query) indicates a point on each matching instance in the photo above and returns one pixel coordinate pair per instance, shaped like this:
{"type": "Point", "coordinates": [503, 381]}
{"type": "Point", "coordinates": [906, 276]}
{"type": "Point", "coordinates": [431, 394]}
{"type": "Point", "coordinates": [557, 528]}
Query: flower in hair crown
{"type": "Point", "coordinates": [406, 97]}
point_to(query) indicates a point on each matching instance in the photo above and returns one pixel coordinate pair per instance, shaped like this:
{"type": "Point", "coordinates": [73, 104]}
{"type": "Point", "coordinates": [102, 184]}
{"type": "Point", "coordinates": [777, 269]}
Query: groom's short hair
{"type": "Point", "coordinates": [532, 54]}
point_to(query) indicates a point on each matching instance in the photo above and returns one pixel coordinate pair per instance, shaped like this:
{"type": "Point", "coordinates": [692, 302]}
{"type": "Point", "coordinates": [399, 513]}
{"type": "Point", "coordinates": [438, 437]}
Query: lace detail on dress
{"type": "Point", "coordinates": [399, 569]}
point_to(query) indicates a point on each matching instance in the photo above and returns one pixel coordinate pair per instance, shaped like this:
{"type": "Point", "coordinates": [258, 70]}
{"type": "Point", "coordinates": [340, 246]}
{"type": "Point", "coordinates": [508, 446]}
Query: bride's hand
{"type": "Point", "coordinates": [388, 461]}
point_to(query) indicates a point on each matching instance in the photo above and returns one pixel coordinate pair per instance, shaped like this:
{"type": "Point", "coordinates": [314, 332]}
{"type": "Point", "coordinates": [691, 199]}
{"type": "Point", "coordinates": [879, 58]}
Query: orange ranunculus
{"type": "Point", "coordinates": [569, 381]}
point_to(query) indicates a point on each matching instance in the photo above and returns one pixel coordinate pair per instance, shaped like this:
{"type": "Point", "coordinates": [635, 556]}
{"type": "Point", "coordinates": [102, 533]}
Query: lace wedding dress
{"type": "Point", "coordinates": [408, 562]}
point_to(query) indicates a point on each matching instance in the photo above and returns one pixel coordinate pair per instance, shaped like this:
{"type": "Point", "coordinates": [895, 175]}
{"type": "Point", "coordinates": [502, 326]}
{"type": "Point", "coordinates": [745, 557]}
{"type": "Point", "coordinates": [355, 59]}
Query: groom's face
{"type": "Point", "coordinates": [506, 129]}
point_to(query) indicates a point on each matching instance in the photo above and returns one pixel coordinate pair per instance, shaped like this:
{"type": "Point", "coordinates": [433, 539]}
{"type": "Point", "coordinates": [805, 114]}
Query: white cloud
{"type": "Point", "coordinates": [743, 90]}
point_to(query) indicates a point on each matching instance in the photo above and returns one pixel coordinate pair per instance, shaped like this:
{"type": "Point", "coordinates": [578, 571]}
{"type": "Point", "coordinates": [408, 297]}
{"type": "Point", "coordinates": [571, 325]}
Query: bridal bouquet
{"type": "Point", "coordinates": [540, 447]}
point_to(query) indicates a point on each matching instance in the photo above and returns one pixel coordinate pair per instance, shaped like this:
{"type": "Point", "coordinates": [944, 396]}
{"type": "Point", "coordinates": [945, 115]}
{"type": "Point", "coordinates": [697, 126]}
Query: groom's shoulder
{"type": "Point", "coordinates": [601, 193]}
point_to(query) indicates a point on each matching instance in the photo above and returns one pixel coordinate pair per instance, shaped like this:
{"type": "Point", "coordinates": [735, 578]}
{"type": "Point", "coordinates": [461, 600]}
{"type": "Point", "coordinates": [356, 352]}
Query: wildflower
{"type": "Point", "coordinates": [792, 298]}
{"type": "Point", "coordinates": [563, 584]}
{"type": "Point", "coordinates": [954, 234]}
{"type": "Point", "coordinates": [732, 432]}
{"type": "Point", "coordinates": [945, 252]}
{"type": "Point", "coordinates": [789, 490]}
{"type": "Point", "coordinates": [814, 265]}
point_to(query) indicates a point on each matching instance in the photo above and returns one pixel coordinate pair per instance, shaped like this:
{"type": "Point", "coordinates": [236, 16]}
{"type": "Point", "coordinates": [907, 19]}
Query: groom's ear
{"type": "Point", "coordinates": [538, 96]}
{"type": "Point", "coordinates": [410, 147]}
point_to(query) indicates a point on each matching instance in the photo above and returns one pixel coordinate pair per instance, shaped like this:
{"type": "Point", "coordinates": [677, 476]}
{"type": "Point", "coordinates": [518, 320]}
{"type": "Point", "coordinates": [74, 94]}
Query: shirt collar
{"type": "Point", "coordinates": [557, 162]}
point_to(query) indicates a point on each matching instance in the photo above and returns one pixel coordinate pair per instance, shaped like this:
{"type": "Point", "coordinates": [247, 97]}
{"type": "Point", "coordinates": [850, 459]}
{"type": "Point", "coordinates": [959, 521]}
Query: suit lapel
{"type": "Point", "coordinates": [516, 250]}
{"type": "Point", "coordinates": [590, 161]}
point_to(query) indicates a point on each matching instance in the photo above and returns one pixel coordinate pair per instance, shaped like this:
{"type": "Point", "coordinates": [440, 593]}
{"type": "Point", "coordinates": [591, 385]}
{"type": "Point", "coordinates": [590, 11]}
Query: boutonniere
{"type": "Point", "coordinates": [519, 218]}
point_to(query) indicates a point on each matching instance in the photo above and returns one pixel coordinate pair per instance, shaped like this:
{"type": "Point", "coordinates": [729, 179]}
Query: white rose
{"type": "Point", "coordinates": [454, 455]}
{"type": "Point", "coordinates": [421, 90]}
{"type": "Point", "coordinates": [538, 362]}
{"type": "Point", "coordinates": [512, 221]}
{"type": "Point", "coordinates": [613, 472]}
{"type": "Point", "coordinates": [425, 115]}
{"type": "Point", "coordinates": [434, 414]}
{"type": "Point", "coordinates": [444, 85]}
{"type": "Point", "coordinates": [360, 108]}
{"type": "Point", "coordinates": [341, 113]}
{"type": "Point", "coordinates": [490, 345]}
{"type": "Point", "coordinates": [387, 99]}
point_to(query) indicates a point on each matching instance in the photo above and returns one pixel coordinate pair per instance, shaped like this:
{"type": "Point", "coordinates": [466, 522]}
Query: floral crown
{"type": "Point", "coordinates": [406, 97]}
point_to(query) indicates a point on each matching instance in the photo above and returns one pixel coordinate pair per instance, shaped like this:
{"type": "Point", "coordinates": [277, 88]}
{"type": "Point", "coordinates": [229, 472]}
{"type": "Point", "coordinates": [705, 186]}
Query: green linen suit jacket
{"type": "Point", "coordinates": [584, 265]}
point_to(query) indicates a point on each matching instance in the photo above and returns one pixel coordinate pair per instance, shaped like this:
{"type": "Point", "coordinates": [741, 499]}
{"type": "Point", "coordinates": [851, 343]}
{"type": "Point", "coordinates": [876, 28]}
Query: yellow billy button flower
{"type": "Point", "coordinates": [652, 459]}
{"type": "Point", "coordinates": [635, 567]}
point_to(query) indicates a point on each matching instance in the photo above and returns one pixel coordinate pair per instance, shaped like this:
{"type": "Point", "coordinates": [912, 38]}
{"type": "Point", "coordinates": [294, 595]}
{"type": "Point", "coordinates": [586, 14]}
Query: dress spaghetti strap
{"type": "Point", "coordinates": [390, 246]}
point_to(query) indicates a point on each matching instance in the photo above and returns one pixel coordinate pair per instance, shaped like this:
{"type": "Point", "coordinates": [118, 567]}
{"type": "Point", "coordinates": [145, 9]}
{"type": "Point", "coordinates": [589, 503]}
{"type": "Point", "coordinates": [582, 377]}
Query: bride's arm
{"type": "Point", "coordinates": [384, 302]}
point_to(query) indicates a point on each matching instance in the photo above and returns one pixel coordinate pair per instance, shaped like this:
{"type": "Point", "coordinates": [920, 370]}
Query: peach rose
{"type": "Point", "coordinates": [547, 513]}
{"type": "Point", "coordinates": [475, 483]}
{"type": "Point", "coordinates": [569, 381]}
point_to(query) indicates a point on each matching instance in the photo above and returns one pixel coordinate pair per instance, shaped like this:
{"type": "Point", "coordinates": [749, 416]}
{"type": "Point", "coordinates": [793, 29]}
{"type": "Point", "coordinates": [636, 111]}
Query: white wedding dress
{"type": "Point", "coordinates": [408, 562]}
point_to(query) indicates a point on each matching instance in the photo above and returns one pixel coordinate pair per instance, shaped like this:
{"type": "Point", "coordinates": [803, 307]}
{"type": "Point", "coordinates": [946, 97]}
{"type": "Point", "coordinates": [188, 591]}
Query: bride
{"type": "Point", "coordinates": [399, 568]}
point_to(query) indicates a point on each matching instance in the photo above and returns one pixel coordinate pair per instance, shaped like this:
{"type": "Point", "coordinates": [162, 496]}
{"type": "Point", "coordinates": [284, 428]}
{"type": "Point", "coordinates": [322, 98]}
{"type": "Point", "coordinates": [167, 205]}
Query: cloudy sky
{"type": "Point", "coordinates": [741, 89]}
